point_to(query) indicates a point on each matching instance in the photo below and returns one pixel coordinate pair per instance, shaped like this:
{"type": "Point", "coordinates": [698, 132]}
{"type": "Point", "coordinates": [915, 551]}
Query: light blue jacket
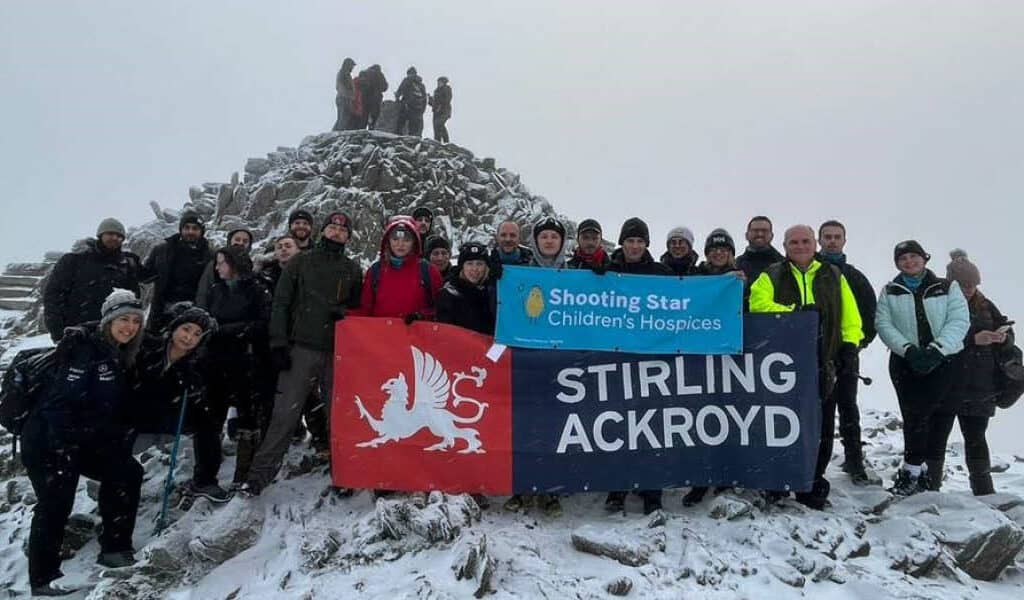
{"type": "Point", "coordinates": [944, 306]}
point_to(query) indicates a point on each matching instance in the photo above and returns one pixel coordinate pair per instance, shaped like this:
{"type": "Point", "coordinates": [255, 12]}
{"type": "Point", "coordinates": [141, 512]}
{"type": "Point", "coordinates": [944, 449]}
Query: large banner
{"type": "Point", "coordinates": [422, 408]}
{"type": "Point", "coordinates": [578, 310]}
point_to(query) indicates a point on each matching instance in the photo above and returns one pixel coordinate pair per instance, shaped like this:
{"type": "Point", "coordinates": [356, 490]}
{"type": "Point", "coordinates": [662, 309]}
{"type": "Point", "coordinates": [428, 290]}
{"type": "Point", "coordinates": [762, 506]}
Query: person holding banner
{"type": "Point", "coordinates": [634, 258]}
{"type": "Point", "coordinates": [401, 284]}
{"type": "Point", "coordinates": [721, 259]}
{"type": "Point", "coordinates": [507, 249]}
{"type": "Point", "coordinates": [679, 253]}
{"type": "Point", "coordinates": [548, 248]}
{"type": "Point", "coordinates": [923, 320]}
{"type": "Point", "coordinates": [467, 300]}
{"type": "Point", "coordinates": [801, 282]}
{"type": "Point", "coordinates": [589, 253]}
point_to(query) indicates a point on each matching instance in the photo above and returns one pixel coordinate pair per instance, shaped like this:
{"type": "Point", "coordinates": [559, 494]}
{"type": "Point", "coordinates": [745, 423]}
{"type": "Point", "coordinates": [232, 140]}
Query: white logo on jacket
{"type": "Point", "coordinates": [429, 407]}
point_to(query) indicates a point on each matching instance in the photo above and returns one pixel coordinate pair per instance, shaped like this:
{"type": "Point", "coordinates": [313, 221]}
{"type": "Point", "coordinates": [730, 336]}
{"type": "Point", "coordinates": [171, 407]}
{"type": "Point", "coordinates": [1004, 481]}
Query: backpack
{"type": "Point", "coordinates": [22, 383]}
{"type": "Point", "coordinates": [416, 99]}
{"type": "Point", "coordinates": [424, 280]}
{"type": "Point", "coordinates": [1009, 377]}
{"type": "Point", "coordinates": [357, 97]}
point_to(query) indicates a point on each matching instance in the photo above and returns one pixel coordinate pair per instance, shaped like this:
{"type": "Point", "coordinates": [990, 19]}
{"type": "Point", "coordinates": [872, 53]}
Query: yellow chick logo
{"type": "Point", "coordinates": [535, 303]}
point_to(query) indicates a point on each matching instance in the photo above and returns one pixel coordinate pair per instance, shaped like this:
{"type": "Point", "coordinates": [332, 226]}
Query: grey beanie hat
{"type": "Point", "coordinates": [680, 232]}
{"type": "Point", "coordinates": [120, 302]}
{"type": "Point", "coordinates": [110, 225]}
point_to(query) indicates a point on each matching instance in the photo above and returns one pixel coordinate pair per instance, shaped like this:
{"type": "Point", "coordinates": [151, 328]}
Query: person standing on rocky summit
{"type": "Point", "coordinates": [372, 86]}
{"type": "Point", "coordinates": [315, 290]}
{"type": "Point", "coordinates": [679, 253]}
{"type": "Point", "coordinates": [238, 238]}
{"type": "Point", "coordinates": [923, 320]}
{"type": "Point", "coordinates": [83, 425]}
{"type": "Point", "coordinates": [633, 258]}
{"type": "Point", "coordinates": [507, 249]}
{"type": "Point", "coordinates": [802, 282]}
{"type": "Point", "coordinates": [175, 267]}
{"type": "Point", "coordinates": [345, 95]}
{"type": "Point", "coordinates": [441, 104]}
{"type": "Point", "coordinates": [760, 254]}
{"type": "Point", "coordinates": [411, 96]}
{"type": "Point", "coordinates": [81, 280]}
{"type": "Point", "coordinates": [832, 241]}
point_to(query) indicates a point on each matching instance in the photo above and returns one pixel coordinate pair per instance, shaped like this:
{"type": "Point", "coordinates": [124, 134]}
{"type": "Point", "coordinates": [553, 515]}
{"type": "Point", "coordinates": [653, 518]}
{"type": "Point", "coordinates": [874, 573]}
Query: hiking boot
{"type": "Point", "coordinates": [615, 502]}
{"type": "Point", "coordinates": [250, 489]}
{"type": "Point", "coordinates": [342, 492]}
{"type": "Point", "coordinates": [517, 503]}
{"type": "Point", "coordinates": [482, 502]}
{"type": "Point", "coordinates": [695, 495]}
{"type": "Point", "coordinates": [116, 560]}
{"type": "Point", "coordinates": [980, 476]}
{"type": "Point", "coordinates": [378, 494]}
{"type": "Point", "coordinates": [550, 504]}
{"type": "Point", "coordinates": [53, 589]}
{"type": "Point", "coordinates": [212, 492]}
{"type": "Point", "coordinates": [419, 499]}
{"type": "Point", "coordinates": [906, 484]}
{"type": "Point", "coordinates": [774, 496]}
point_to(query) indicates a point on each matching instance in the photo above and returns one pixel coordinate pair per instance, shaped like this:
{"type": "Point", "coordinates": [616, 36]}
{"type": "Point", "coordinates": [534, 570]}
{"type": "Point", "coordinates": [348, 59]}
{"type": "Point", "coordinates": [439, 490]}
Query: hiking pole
{"type": "Point", "coordinates": [161, 521]}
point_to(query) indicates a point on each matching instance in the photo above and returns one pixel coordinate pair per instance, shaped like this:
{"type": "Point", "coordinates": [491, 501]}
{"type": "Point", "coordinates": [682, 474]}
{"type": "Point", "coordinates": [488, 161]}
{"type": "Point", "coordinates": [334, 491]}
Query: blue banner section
{"type": "Point", "coordinates": [598, 421]}
{"type": "Point", "coordinates": [578, 310]}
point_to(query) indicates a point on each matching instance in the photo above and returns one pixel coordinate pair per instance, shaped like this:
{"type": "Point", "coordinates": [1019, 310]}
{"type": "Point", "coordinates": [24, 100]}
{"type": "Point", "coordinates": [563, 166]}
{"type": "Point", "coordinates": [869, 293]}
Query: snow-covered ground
{"type": "Point", "coordinates": [298, 540]}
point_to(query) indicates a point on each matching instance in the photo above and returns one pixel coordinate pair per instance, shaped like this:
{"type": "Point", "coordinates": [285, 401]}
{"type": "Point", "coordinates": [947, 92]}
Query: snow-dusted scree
{"type": "Point", "coordinates": [300, 540]}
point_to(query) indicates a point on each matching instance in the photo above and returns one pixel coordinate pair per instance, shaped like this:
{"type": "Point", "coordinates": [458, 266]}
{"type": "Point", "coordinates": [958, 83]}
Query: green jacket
{"type": "Point", "coordinates": [314, 290]}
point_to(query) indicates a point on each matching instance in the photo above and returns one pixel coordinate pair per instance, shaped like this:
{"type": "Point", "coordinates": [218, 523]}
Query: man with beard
{"type": "Point", "coordinates": [760, 253]}
{"type": "Point", "coordinates": [175, 267]}
{"type": "Point", "coordinates": [81, 281]}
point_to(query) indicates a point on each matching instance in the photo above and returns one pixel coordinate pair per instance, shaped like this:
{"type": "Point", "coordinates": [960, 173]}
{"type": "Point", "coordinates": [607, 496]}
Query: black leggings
{"type": "Point", "coordinates": [973, 430]}
{"type": "Point", "coordinates": [921, 398]}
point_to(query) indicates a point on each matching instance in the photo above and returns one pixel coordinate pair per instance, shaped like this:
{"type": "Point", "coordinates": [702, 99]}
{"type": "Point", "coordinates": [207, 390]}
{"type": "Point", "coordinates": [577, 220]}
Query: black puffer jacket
{"type": "Point", "coordinates": [81, 281]}
{"type": "Point", "coordinates": [467, 305]}
{"type": "Point", "coordinates": [175, 267]}
{"type": "Point", "coordinates": [242, 309]}
{"type": "Point", "coordinates": [753, 262]}
{"type": "Point", "coordinates": [88, 400]}
{"type": "Point", "coordinates": [974, 385]}
{"type": "Point", "coordinates": [646, 266]}
{"type": "Point", "coordinates": [686, 265]}
{"type": "Point", "coordinates": [159, 387]}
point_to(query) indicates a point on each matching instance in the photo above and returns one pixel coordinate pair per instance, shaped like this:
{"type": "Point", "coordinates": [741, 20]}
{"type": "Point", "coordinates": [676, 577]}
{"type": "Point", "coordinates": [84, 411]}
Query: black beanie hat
{"type": "Point", "coordinates": [423, 211]}
{"type": "Point", "coordinates": [337, 218]}
{"type": "Point", "coordinates": [909, 247]}
{"type": "Point", "coordinates": [719, 238]}
{"type": "Point", "coordinates": [471, 251]}
{"type": "Point", "coordinates": [300, 214]}
{"type": "Point", "coordinates": [193, 218]}
{"type": "Point", "coordinates": [588, 225]}
{"type": "Point", "coordinates": [434, 242]}
{"type": "Point", "coordinates": [548, 224]}
{"type": "Point", "coordinates": [635, 227]}
{"type": "Point", "coordinates": [186, 312]}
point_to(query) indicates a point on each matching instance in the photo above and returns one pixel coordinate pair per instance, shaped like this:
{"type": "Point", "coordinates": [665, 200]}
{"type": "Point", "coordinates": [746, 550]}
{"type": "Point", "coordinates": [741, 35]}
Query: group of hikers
{"type": "Point", "coordinates": [359, 101]}
{"type": "Point", "coordinates": [250, 349]}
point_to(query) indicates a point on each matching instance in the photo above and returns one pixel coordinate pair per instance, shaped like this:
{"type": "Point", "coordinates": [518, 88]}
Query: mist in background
{"type": "Point", "coordinates": [903, 120]}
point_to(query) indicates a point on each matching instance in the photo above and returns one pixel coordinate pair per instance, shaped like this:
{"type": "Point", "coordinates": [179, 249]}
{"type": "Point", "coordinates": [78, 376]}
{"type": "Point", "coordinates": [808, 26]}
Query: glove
{"type": "Point", "coordinates": [337, 313]}
{"type": "Point", "coordinates": [930, 360]}
{"type": "Point", "coordinates": [414, 316]}
{"type": "Point", "coordinates": [280, 358]}
{"type": "Point", "coordinates": [599, 269]}
{"type": "Point", "coordinates": [848, 362]}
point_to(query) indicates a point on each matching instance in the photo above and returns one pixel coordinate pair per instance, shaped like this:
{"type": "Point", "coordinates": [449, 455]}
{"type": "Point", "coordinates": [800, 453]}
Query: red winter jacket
{"type": "Point", "coordinates": [399, 291]}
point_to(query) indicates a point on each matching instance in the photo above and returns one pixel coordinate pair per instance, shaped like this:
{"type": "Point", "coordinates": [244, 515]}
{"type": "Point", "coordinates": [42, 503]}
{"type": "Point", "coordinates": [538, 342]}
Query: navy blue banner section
{"type": "Point", "coordinates": [602, 421]}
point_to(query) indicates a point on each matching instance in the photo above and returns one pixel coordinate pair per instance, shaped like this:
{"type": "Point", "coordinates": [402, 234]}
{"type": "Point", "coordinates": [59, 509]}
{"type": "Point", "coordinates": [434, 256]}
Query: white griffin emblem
{"type": "Point", "coordinates": [429, 407]}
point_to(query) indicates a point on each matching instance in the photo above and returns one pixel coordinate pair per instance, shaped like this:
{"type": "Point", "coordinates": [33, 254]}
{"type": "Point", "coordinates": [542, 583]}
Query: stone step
{"type": "Point", "coordinates": [30, 281]}
{"type": "Point", "coordinates": [22, 303]}
{"type": "Point", "coordinates": [38, 269]}
{"type": "Point", "coordinates": [15, 291]}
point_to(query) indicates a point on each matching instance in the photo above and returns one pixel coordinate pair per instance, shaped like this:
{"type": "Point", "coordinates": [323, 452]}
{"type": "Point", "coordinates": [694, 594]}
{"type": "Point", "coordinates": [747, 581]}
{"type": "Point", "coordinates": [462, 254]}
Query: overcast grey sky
{"type": "Point", "coordinates": [903, 119]}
